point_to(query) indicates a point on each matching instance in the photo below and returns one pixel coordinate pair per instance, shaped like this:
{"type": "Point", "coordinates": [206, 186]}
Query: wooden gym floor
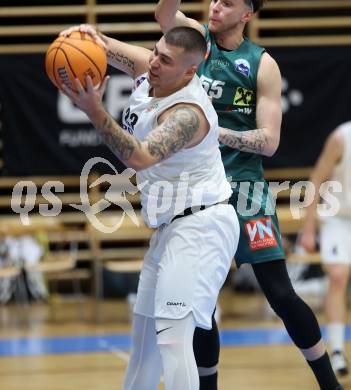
{"type": "Point", "coordinates": [62, 347]}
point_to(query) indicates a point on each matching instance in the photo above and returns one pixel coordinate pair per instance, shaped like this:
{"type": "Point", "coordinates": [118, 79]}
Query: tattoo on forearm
{"type": "Point", "coordinates": [253, 141]}
{"type": "Point", "coordinates": [119, 141]}
{"type": "Point", "coordinates": [175, 133]}
{"type": "Point", "coordinates": [122, 59]}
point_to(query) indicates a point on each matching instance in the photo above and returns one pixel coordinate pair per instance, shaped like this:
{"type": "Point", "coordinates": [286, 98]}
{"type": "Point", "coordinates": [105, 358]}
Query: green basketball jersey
{"type": "Point", "coordinates": [230, 77]}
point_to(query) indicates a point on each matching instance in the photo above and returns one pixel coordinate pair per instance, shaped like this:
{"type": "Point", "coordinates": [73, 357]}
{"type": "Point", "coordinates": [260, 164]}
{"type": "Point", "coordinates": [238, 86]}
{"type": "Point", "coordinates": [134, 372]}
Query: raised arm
{"type": "Point", "coordinates": [168, 16]}
{"type": "Point", "coordinates": [330, 156]}
{"type": "Point", "coordinates": [133, 60]}
{"type": "Point", "coordinates": [182, 126]}
{"type": "Point", "coordinates": [265, 139]}
{"type": "Point", "coordinates": [130, 59]}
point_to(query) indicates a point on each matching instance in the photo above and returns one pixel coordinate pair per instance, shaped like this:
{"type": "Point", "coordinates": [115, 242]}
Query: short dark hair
{"type": "Point", "coordinates": [187, 38]}
{"type": "Point", "coordinates": [256, 4]}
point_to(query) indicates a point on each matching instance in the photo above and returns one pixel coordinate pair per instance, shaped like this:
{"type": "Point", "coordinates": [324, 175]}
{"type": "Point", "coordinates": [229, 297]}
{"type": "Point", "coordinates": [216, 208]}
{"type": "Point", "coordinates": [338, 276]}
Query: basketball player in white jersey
{"type": "Point", "coordinates": [334, 164]}
{"type": "Point", "coordinates": [170, 138]}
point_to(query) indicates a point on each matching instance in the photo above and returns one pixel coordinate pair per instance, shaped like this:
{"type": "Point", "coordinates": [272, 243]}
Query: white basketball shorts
{"type": "Point", "coordinates": [187, 264]}
{"type": "Point", "coordinates": [335, 243]}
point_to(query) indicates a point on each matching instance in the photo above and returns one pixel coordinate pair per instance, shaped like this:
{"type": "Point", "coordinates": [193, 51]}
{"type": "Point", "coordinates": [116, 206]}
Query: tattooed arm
{"type": "Point", "coordinates": [265, 139]}
{"type": "Point", "coordinates": [130, 59]}
{"type": "Point", "coordinates": [182, 127]}
{"type": "Point", "coordinates": [252, 141]}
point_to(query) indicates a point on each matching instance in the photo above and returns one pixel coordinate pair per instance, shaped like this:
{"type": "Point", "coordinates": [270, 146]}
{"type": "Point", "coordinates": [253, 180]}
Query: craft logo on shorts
{"type": "Point", "coordinates": [242, 66]}
{"type": "Point", "coordinates": [177, 304]}
{"type": "Point", "coordinates": [260, 233]}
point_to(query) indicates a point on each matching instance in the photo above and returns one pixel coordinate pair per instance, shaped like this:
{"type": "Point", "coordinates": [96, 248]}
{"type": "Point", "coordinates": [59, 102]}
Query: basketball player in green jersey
{"type": "Point", "coordinates": [245, 85]}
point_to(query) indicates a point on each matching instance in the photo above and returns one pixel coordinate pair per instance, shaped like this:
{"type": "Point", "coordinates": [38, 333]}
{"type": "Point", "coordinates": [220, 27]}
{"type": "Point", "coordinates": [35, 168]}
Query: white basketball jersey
{"type": "Point", "coordinates": [191, 177]}
{"type": "Point", "coordinates": [342, 174]}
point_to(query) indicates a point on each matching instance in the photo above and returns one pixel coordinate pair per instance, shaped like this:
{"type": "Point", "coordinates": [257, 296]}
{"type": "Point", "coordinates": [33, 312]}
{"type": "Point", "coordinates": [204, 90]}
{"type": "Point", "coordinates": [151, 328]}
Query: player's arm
{"type": "Point", "coordinates": [265, 139]}
{"type": "Point", "coordinates": [330, 156]}
{"type": "Point", "coordinates": [168, 16]}
{"type": "Point", "coordinates": [129, 59]}
{"type": "Point", "coordinates": [178, 129]}
{"type": "Point", "coordinates": [182, 126]}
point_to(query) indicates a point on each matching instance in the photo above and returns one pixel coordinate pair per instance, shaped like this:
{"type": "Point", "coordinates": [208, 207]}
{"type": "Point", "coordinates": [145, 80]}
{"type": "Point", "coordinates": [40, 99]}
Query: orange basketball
{"type": "Point", "coordinates": [73, 57]}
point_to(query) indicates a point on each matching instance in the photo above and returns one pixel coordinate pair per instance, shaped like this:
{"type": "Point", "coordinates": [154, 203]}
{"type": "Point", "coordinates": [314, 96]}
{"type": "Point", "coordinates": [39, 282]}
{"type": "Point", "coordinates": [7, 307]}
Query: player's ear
{"type": "Point", "coordinates": [247, 16]}
{"type": "Point", "coordinates": [190, 72]}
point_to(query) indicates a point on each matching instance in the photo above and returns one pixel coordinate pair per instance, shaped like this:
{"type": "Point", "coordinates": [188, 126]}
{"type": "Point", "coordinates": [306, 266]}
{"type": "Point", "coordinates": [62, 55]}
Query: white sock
{"type": "Point", "coordinates": [336, 336]}
{"type": "Point", "coordinates": [145, 366]}
{"type": "Point", "coordinates": [315, 352]}
{"type": "Point", "coordinates": [175, 340]}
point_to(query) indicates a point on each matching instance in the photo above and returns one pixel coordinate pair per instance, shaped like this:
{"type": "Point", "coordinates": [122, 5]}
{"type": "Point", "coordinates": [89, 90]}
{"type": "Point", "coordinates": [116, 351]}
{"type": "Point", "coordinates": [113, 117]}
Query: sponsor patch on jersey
{"type": "Point", "coordinates": [151, 107]}
{"type": "Point", "coordinates": [243, 97]}
{"type": "Point", "coordinates": [260, 233]}
{"type": "Point", "coordinates": [242, 66]}
{"type": "Point", "coordinates": [219, 64]}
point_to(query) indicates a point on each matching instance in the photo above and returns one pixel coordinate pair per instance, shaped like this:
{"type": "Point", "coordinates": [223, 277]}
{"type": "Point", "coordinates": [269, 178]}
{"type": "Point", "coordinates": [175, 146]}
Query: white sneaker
{"type": "Point", "coordinates": [339, 363]}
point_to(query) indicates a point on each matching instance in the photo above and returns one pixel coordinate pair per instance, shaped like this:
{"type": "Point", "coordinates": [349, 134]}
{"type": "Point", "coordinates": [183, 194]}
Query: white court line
{"type": "Point", "coordinates": [124, 356]}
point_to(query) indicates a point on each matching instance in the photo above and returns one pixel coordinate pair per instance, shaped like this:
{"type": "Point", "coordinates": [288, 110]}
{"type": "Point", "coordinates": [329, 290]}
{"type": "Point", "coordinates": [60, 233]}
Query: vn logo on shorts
{"type": "Point", "coordinates": [260, 233]}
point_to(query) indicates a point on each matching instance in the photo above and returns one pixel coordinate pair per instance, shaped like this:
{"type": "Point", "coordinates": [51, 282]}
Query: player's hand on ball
{"type": "Point", "coordinates": [88, 29]}
{"type": "Point", "coordinates": [89, 100]}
